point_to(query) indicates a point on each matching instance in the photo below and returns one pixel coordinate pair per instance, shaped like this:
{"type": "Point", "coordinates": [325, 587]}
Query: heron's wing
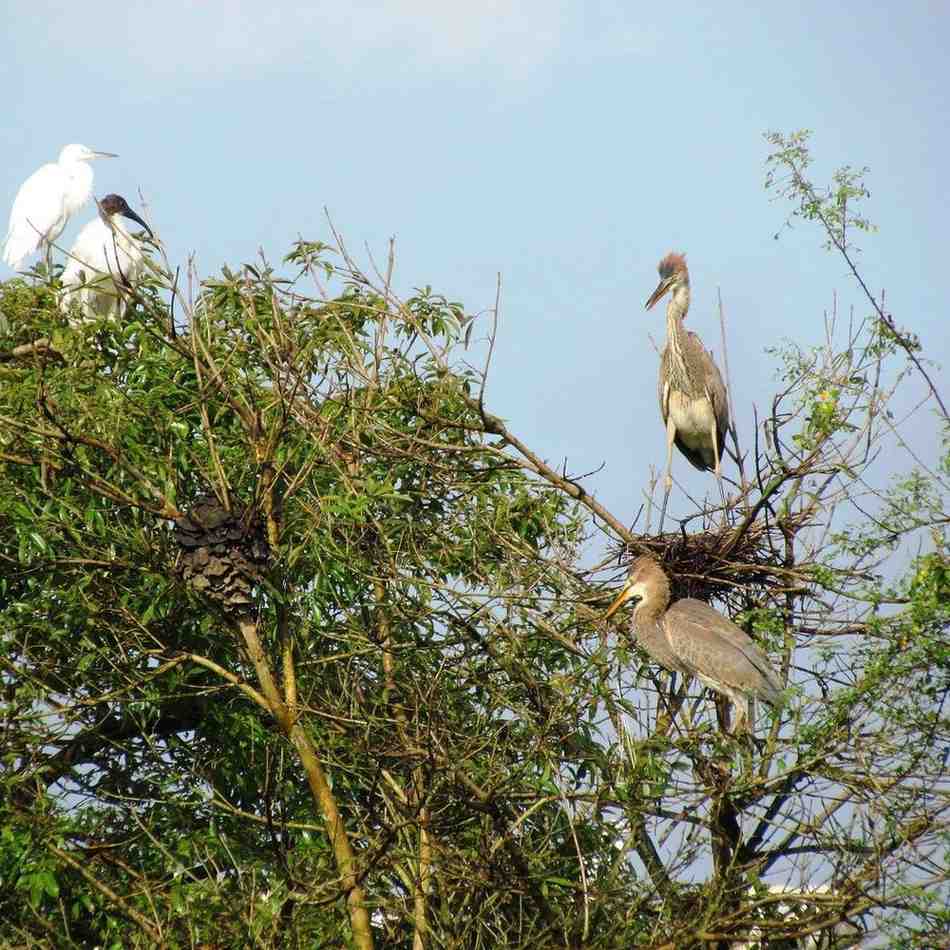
{"type": "Point", "coordinates": [716, 391]}
{"type": "Point", "coordinates": [713, 386]}
{"type": "Point", "coordinates": [714, 647]}
{"type": "Point", "coordinates": [653, 639]}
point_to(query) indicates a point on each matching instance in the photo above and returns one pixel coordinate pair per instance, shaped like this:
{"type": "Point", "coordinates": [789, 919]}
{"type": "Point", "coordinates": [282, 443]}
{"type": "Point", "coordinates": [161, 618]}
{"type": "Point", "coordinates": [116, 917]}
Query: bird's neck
{"type": "Point", "coordinates": [78, 170]}
{"type": "Point", "coordinates": [118, 236]}
{"type": "Point", "coordinates": [646, 615]}
{"type": "Point", "coordinates": [652, 607]}
{"type": "Point", "coordinates": [675, 314]}
{"type": "Point", "coordinates": [677, 307]}
{"type": "Point", "coordinates": [80, 185]}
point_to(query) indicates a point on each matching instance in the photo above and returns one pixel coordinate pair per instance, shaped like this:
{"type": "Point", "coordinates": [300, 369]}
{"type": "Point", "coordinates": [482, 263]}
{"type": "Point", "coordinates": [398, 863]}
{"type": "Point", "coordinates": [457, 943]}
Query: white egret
{"type": "Point", "coordinates": [47, 199]}
{"type": "Point", "coordinates": [104, 260]}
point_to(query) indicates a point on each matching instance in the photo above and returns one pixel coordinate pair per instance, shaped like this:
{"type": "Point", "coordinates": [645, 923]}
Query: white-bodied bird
{"type": "Point", "coordinates": [47, 200]}
{"type": "Point", "coordinates": [105, 260]}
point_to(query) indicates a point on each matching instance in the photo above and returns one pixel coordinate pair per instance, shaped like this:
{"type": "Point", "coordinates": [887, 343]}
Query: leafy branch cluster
{"type": "Point", "coordinates": [405, 722]}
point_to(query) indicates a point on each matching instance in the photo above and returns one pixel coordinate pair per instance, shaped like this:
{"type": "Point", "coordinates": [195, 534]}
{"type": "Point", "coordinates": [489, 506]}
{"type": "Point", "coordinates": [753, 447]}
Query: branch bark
{"type": "Point", "coordinates": [317, 780]}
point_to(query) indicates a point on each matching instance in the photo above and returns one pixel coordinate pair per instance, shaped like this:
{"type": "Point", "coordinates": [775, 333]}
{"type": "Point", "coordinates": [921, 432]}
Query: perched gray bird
{"type": "Point", "coordinates": [690, 637]}
{"type": "Point", "coordinates": [105, 259]}
{"type": "Point", "coordinates": [47, 199]}
{"type": "Point", "coordinates": [692, 395]}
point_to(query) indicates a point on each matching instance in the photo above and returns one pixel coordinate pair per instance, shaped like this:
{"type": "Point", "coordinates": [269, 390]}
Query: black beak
{"type": "Point", "coordinates": [132, 216]}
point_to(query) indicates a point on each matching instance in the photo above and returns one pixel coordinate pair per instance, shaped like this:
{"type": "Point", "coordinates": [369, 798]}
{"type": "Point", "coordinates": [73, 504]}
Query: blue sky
{"type": "Point", "coordinates": [566, 145]}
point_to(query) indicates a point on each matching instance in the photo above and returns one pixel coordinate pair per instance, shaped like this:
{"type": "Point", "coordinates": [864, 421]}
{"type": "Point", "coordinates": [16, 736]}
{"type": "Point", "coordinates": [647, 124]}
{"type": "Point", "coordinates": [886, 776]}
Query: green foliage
{"type": "Point", "coordinates": [423, 729]}
{"type": "Point", "coordinates": [835, 206]}
{"type": "Point", "coordinates": [409, 555]}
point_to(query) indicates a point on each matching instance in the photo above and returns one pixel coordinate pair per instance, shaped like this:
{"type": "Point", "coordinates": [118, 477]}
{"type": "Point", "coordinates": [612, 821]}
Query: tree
{"type": "Point", "coordinates": [300, 649]}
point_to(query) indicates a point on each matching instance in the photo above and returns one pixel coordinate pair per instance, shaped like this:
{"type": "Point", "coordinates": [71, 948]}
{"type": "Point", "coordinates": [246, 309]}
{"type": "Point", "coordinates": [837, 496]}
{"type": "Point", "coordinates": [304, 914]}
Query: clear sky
{"type": "Point", "coordinates": [567, 145]}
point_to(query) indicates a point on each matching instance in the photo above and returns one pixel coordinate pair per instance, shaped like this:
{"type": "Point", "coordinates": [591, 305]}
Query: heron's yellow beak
{"type": "Point", "coordinates": [663, 286]}
{"type": "Point", "coordinates": [620, 600]}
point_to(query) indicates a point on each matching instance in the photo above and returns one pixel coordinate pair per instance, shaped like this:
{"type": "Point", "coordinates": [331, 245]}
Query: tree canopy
{"type": "Point", "coordinates": [303, 646]}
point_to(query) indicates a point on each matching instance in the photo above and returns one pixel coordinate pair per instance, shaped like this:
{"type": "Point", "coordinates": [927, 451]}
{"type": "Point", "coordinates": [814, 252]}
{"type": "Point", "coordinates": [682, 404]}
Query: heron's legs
{"type": "Point", "coordinates": [670, 701]}
{"type": "Point", "coordinates": [714, 435]}
{"type": "Point", "coordinates": [668, 482]}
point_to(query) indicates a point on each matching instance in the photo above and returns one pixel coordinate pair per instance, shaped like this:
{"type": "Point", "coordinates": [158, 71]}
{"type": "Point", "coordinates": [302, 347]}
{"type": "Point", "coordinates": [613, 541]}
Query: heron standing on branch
{"type": "Point", "coordinates": [104, 262]}
{"type": "Point", "coordinates": [47, 200]}
{"type": "Point", "coordinates": [690, 637]}
{"type": "Point", "coordinates": [693, 401]}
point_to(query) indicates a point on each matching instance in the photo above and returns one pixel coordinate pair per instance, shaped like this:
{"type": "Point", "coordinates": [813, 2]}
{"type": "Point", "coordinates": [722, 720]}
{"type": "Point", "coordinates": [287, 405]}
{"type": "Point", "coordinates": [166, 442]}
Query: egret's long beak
{"type": "Point", "coordinates": [105, 155]}
{"type": "Point", "coordinates": [620, 600]}
{"type": "Point", "coordinates": [134, 217]}
{"type": "Point", "coordinates": [663, 286]}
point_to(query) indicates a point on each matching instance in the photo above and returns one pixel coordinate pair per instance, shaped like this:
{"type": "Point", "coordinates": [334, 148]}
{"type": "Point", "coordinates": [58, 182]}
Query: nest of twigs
{"type": "Point", "coordinates": [725, 564]}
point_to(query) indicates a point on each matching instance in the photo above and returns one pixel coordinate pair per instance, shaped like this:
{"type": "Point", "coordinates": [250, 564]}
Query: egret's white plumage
{"type": "Point", "coordinates": [47, 199]}
{"type": "Point", "coordinates": [104, 259]}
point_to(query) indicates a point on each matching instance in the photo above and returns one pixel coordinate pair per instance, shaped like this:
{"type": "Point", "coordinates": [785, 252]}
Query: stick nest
{"type": "Point", "coordinates": [724, 564]}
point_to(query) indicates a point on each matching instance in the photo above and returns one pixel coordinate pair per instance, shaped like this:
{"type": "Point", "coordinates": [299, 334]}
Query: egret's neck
{"type": "Point", "coordinates": [79, 191]}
